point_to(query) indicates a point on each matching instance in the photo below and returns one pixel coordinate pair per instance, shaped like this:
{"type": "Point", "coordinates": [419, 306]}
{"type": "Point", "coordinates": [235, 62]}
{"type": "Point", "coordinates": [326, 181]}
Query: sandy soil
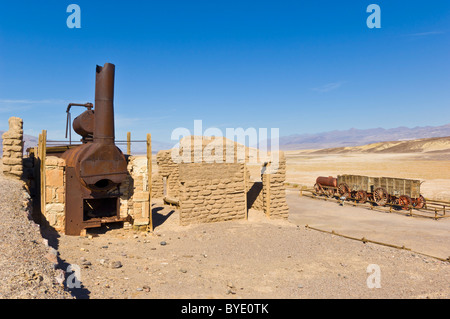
{"type": "Point", "coordinates": [258, 258]}
{"type": "Point", "coordinates": [271, 259]}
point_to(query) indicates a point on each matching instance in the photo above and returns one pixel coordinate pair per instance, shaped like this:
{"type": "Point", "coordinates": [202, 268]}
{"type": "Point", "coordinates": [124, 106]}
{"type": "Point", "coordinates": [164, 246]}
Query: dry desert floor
{"type": "Point", "coordinates": [272, 259]}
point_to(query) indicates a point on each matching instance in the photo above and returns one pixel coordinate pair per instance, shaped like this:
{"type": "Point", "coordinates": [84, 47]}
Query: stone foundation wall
{"type": "Point", "coordinates": [135, 201]}
{"type": "Point", "coordinates": [267, 195]}
{"type": "Point", "coordinates": [13, 148]}
{"type": "Point", "coordinates": [55, 189]}
{"type": "Point", "coordinates": [212, 192]}
{"type": "Point", "coordinates": [168, 171]}
{"type": "Point", "coordinates": [274, 190]}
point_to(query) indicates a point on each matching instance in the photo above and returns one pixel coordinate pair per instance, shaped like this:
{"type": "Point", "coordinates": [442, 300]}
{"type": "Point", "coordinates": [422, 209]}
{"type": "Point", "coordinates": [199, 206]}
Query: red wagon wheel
{"type": "Point", "coordinates": [419, 202]}
{"type": "Point", "coordinates": [361, 196]}
{"type": "Point", "coordinates": [405, 202]}
{"type": "Point", "coordinates": [380, 196]}
{"type": "Point", "coordinates": [330, 192]}
{"type": "Point", "coordinates": [317, 189]}
{"type": "Point", "coordinates": [344, 190]}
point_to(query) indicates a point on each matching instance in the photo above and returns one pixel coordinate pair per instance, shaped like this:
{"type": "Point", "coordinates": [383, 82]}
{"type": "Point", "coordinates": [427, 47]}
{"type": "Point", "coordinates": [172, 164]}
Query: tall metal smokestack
{"type": "Point", "coordinates": [104, 104]}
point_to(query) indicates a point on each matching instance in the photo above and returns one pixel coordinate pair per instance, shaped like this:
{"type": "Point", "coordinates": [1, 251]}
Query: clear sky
{"type": "Point", "coordinates": [300, 66]}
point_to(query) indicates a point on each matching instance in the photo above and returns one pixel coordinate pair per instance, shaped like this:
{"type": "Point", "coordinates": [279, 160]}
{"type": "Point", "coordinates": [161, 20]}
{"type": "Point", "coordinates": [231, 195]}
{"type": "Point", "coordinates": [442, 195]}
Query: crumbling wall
{"type": "Point", "coordinates": [135, 198]}
{"type": "Point", "coordinates": [191, 186]}
{"type": "Point", "coordinates": [274, 190]}
{"type": "Point", "coordinates": [212, 192]}
{"type": "Point", "coordinates": [168, 173]}
{"type": "Point", "coordinates": [13, 148]}
{"type": "Point", "coordinates": [157, 186]}
{"type": "Point", "coordinates": [55, 188]}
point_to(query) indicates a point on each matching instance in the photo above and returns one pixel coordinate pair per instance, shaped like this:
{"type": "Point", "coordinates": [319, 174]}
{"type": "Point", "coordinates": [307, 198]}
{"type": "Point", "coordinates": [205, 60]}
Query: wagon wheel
{"type": "Point", "coordinates": [344, 190]}
{"type": "Point", "coordinates": [405, 201]}
{"type": "Point", "coordinates": [317, 189]}
{"type": "Point", "coordinates": [380, 196]}
{"type": "Point", "coordinates": [361, 197]}
{"type": "Point", "coordinates": [419, 202]}
{"type": "Point", "coordinates": [330, 192]}
{"type": "Point", "coordinates": [394, 200]}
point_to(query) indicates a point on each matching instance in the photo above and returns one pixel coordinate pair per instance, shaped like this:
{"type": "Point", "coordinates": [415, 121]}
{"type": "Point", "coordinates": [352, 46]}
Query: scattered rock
{"type": "Point", "coordinates": [115, 264]}
{"type": "Point", "coordinates": [146, 288]}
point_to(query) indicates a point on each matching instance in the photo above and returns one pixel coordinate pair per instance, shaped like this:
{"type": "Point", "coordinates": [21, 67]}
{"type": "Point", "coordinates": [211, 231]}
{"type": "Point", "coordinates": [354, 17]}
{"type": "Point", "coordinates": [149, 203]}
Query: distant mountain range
{"type": "Point", "coordinates": [332, 139]}
{"type": "Point", "coordinates": [356, 137]}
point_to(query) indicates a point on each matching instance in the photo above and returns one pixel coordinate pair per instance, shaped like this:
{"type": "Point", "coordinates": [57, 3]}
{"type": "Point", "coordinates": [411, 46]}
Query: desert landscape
{"type": "Point", "coordinates": [427, 160]}
{"type": "Point", "coordinates": [259, 257]}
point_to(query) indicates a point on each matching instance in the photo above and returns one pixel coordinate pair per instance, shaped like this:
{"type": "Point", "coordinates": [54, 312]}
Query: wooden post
{"type": "Point", "coordinates": [129, 143]}
{"type": "Point", "coordinates": [42, 154]}
{"type": "Point", "coordinates": [149, 180]}
{"type": "Point", "coordinates": [266, 185]}
{"type": "Point", "coordinates": [245, 191]}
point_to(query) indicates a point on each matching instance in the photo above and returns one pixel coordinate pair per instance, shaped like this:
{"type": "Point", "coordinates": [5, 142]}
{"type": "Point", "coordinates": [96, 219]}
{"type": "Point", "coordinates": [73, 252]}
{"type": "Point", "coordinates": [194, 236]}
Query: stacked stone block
{"type": "Point", "coordinates": [55, 189]}
{"type": "Point", "coordinates": [134, 201]}
{"type": "Point", "coordinates": [212, 193]}
{"type": "Point", "coordinates": [13, 148]}
{"type": "Point", "coordinates": [274, 190]}
{"type": "Point", "coordinates": [168, 170]}
{"type": "Point", "coordinates": [190, 185]}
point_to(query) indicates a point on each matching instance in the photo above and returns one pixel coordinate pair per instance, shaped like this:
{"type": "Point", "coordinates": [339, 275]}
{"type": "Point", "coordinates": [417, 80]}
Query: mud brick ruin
{"type": "Point", "coordinates": [81, 186]}
{"type": "Point", "coordinates": [13, 148]}
{"type": "Point", "coordinates": [202, 180]}
{"type": "Point", "coordinates": [208, 187]}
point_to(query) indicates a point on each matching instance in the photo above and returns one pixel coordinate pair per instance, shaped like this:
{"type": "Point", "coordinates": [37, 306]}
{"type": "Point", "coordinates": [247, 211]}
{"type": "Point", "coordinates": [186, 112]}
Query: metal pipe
{"type": "Point", "coordinates": [104, 104]}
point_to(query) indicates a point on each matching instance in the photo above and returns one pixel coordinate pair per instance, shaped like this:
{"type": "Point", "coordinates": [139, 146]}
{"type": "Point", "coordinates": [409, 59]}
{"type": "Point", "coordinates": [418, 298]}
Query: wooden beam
{"type": "Point", "coordinates": [42, 155]}
{"type": "Point", "coordinates": [129, 143]}
{"type": "Point", "coordinates": [149, 180]}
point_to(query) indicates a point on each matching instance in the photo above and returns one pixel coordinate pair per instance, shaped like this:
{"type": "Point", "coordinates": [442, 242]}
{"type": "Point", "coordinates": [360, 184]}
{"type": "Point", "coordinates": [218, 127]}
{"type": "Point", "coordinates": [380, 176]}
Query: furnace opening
{"type": "Point", "coordinates": [99, 208]}
{"type": "Point", "coordinates": [103, 183]}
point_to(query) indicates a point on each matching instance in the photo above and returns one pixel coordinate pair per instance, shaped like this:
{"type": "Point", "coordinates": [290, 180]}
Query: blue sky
{"type": "Point", "coordinates": [301, 66]}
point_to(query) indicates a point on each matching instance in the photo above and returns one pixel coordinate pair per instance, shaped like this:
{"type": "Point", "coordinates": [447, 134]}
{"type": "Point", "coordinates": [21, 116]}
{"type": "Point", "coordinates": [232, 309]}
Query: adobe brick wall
{"type": "Point", "coordinates": [169, 170]}
{"type": "Point", "coordinates": [190, 186]}
{"type": "Point", "coordinates": [135, 200]}
{"type": "Point", "coordinates": [13, 148]}
{"type": "Point", "coordinates": [55, 186]}
{"type": "Point", "coordinates": [274, 190]}
{"type": "Point", "coordinates": [212, 192]}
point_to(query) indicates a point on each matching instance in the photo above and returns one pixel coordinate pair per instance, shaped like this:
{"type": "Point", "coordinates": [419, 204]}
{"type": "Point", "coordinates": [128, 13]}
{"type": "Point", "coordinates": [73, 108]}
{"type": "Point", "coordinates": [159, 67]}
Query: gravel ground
{"type": "Point", "coordinates": [26, 269]}
{"type": "Point", "coordinates": [254, 259]}
{"type": "Point", "coordinates": [258, 258]}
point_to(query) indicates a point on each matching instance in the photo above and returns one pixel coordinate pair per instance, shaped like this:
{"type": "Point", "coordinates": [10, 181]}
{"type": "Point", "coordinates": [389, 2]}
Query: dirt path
{"type": "Point", "coordinates": [258, 258]}
{"type": "Point", "coordinates": [423, 235]}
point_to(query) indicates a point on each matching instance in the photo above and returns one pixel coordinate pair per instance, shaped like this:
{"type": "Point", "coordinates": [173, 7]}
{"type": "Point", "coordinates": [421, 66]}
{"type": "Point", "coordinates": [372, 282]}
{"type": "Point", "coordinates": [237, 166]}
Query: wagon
{"type": "Point", "coordinates": [382, 190]}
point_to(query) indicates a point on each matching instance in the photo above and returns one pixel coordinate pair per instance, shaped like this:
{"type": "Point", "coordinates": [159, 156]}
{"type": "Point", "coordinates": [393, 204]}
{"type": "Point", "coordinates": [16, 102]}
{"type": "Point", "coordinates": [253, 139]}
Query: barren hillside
{"type": "Point", "coordinates": [424, 145]}
{"type": "Point", "coordinates": [355, 137]}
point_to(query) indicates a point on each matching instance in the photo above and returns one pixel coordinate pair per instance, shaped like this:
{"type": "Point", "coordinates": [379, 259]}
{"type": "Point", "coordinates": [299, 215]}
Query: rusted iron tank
{"type": "Point", "coordinates": [327, 181]}
{"type": "Point", "coordinates": [95, 169]}
{"type": "Point", "coordinates": [326, 185]}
